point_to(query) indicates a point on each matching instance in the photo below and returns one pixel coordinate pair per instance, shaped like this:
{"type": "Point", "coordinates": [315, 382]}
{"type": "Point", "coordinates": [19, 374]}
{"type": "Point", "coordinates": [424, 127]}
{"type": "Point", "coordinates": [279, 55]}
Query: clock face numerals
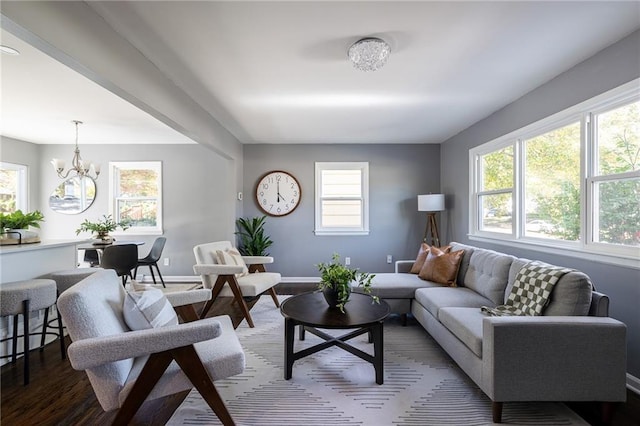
{"type": "Point", "coordinates": [278, 193]}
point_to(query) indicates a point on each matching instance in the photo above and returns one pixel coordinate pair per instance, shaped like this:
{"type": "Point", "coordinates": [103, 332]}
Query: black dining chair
{"type": "Point", "coordinates": [152, 258]}
{"type": "Point", "coordinates": [121, 258]}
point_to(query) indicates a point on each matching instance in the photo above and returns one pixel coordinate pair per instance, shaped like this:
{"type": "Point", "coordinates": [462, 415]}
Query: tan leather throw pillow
{"type": "Point", "coordinates": [422, 256]}
{"type": "Point", "coordinates": [441, 267]}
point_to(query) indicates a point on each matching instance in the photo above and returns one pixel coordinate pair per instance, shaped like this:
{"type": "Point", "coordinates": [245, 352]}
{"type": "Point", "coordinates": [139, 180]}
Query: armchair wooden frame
{"type": "Point", "coordinates": [189, 361]}
{"type": "Point", "coordinates": [237, 293]}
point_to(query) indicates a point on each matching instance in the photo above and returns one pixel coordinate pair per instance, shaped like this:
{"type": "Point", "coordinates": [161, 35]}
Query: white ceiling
{"type": "Point", "coordinates": [277, 72]}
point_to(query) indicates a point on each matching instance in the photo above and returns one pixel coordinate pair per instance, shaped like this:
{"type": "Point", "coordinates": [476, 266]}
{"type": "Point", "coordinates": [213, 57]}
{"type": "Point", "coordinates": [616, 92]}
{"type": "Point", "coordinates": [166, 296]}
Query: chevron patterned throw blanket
{"type": "Point", "coordinates": [531, 290]}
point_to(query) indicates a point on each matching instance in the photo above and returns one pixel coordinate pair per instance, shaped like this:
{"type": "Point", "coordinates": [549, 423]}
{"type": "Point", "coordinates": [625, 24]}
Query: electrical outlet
{"type": "Point", "coordinates": [347, 261]}
{"type": "Point", "coordinates": [389, 258]}
{"type": "Point", "coordinates": [166, 261]}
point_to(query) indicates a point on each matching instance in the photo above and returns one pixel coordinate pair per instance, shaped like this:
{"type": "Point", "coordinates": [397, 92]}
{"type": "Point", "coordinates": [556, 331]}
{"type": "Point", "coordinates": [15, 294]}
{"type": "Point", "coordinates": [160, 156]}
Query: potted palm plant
{"type": "Point", "coordinates": [253, 240]}
{"type": "Point", "coordinates": [103, 227]}
{"type": "Point", "coordinates": [336, 280]}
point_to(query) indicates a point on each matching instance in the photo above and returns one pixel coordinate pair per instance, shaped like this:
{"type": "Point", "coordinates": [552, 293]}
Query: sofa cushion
{"type": "Point", "coordinates": [441, 267]}
{"type": "Point", "coordinates": [488, 274]}
{"type": "Point", "coordinates": [464, 263]}
{"type": "Point", "coordinates": [435, 298]}
{"type": "Point", "coordinates": [570, 296]}
{"type": "Point", "coordinates": [389, 285]}
{"type": "Point", "coordinates": [466, 325]}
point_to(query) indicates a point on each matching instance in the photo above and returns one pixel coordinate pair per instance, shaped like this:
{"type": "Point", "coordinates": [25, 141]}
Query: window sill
{"type": "Point", "coordinates": [562, 250]}
{"type": "Point", "coordinates": [341, 233]}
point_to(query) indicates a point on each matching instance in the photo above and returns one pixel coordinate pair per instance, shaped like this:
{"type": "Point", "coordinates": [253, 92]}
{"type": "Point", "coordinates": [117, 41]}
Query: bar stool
{"type": "Point", "coordinates": [64, 279]}
{"type": "Point", "coordinates": [22, 298]}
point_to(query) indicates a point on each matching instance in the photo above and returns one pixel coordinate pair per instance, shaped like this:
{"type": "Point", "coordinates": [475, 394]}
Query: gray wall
{"type": "Point", "coordinates": [397, 174]}
{"type": "Point", "coordinates": [199, 190]}
{"type": "Point", "coordinates": [612, 67]}
{"type": "Point", "coordinates": [27, 154]}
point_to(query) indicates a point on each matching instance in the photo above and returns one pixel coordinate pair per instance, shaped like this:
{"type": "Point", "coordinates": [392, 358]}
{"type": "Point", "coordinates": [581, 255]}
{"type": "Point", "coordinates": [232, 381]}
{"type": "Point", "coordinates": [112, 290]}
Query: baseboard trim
{"type": "Point", "coordinates": [143, 278]}
{"type": "Point", "coordinates": [633, 383]}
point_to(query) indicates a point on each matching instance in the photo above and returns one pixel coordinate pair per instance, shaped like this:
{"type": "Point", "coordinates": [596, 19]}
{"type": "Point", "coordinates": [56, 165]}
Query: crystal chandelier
{"type": "Point", "coordinates": [369, 54]}
{"type": "Point", "coordinates": [79, 166]}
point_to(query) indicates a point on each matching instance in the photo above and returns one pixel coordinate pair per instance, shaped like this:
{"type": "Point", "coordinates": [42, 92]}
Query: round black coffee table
{"type": "Point", "coordinates": [310, 311]}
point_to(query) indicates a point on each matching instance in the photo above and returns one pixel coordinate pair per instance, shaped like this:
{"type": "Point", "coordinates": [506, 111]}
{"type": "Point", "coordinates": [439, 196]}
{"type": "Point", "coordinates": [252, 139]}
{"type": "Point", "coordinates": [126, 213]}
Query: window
{"type": "Point", "coordinates": [135, 194]}
{"type": "Point", "coordinates": [342, 199]}
{"type": "Point", "coordinates": [13, 187]}
{"type": "Point", "coordinates": [570, 181]}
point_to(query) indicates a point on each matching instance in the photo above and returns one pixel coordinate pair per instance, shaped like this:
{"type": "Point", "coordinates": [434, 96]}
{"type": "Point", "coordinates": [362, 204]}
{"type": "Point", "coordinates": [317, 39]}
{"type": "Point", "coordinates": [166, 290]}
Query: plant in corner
{"type": "Point", "coordinates": [336, 279]}
{"type": "Point", "coordinates": [253, 241]}
{"type": "Point", "coordinates": [102, 227]}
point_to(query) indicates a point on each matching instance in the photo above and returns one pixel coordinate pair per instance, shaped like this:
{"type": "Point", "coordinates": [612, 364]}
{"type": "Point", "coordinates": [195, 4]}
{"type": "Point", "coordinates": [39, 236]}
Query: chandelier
{"type": "Point", "coordinates": [369, 54]}
{"type": "Point", "coordinates": [79, 166]}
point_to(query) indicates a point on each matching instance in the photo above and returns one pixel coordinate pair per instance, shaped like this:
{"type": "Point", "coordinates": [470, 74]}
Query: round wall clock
{"type": "Point", "coordinates": [278, 193]}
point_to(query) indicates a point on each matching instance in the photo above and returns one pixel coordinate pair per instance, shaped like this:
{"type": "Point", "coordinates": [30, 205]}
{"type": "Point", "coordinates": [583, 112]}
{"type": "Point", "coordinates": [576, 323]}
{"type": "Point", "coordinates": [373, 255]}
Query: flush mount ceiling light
{"type": "Point", "coordinates": [8, 50]}
{"type": "Point", "coordinates": [369, 54]}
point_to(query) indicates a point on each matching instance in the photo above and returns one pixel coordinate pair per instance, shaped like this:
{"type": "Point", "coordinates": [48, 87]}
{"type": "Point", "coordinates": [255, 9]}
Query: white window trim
{"type": "Point", "coordinates": [22, 193]}
{"type": "Point", "coordinates": [139, 230]}
{"type": "Point", "coordinates": [364, 168]}
{"type": "Point", "coordinates": [585, 248]}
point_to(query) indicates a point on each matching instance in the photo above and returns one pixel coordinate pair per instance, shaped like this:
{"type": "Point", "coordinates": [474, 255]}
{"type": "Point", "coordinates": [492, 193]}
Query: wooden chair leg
{"type": "Point", "coordinates": [274, 296]}
{"type": "Point", "coordinates": [188, 359]}
{"type": "Point", "coordinates": [235, 288]}
{"type": "Point", "coordinates": [215, 291]}
{"type": "Point", "coordinates": [149, 376]}
{"type": "Point", "coordinates": [496, 411]}
{"type": "Point", "coordinates": [608, 409]}
{"type": "Point", "coordinates": [159, 274]}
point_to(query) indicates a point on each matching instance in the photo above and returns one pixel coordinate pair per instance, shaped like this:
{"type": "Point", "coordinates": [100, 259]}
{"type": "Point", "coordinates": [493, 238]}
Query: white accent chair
{"type": "Point", "coordinates": [127, 367]}
{"type": "Point", "coordinates": [223, 280]}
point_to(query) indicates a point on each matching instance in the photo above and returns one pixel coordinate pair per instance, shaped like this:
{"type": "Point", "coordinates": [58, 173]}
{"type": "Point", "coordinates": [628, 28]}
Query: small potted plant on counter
{"type": "Point", "coordinates": [14, 227]}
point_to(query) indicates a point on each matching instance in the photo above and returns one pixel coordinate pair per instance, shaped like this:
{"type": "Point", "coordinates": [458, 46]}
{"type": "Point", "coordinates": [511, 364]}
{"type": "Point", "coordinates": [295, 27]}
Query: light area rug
{"type": "Point", "coordinates": [422, 385]}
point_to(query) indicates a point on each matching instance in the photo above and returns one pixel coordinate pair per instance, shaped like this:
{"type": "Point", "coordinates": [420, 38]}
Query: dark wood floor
{"type": "Point", "coordinates": [59, 395]}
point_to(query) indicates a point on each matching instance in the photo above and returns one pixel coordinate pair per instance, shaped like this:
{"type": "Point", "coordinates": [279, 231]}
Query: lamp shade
{"type": "Point", "coordinates": [431, 203]}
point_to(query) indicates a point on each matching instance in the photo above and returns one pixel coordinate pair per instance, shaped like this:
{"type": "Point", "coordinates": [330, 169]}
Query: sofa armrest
{"type": "Point", "coordinates": [96, 351]}
{"type": "Point", "coordinates": [404, 266]}
{"type": "Point", "coordinates": [214, 269]}
{"type": "Point", "coordinates": [554, 358]}
{"type": "Point", "coordinates": [257, 260]}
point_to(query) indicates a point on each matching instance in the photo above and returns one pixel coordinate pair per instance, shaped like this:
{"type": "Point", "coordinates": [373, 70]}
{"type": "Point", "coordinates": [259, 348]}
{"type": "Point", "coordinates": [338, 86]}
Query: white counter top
{"type": "Point", "coordinates": [43, 245]}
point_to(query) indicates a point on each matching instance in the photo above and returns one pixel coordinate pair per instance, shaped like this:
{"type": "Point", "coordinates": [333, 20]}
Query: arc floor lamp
{"type": "Point", "coordinates": [431, 203]}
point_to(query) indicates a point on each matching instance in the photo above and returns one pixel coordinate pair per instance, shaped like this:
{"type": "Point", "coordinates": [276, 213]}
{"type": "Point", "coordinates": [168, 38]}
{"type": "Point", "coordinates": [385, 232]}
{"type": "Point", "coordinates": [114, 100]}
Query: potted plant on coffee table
{"type": "Point", "coordinates": [336, 280]}
{"type": "Point", "coordinates": [102, 228]}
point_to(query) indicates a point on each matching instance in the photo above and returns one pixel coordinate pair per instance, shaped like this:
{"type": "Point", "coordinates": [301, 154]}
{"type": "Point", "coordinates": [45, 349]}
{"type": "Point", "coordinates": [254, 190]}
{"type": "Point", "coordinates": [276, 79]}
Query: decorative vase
{"type": "Point", "coordinates": [104, 238]}
{"type": "Point", "coordinates": [332, 296]}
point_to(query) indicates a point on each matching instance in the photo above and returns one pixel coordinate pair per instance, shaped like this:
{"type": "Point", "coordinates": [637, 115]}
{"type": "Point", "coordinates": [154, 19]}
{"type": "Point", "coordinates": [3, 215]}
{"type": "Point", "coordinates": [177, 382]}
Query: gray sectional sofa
{"type": "Point", "coordinates": [573, 352]}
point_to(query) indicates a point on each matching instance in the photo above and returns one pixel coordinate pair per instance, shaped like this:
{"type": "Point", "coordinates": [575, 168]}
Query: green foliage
{"type": "Point", "coordinates": [253, 241]}
{"type": "Point", "coordinates": [19, 220]}
{"type": "Point", "coordinates": [103, 226]}
{"type": "Point", "coordinates": [338, 277]}
{"type": "Point", "coordinates": [562, 210]}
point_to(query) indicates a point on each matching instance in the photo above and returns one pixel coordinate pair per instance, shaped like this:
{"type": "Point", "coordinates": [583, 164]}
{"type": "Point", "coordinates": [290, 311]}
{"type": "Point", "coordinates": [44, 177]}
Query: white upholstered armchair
{"type": "Point", "coordinates": [127, 367]}
{"type": "Point", "coordinates": [227, 273]}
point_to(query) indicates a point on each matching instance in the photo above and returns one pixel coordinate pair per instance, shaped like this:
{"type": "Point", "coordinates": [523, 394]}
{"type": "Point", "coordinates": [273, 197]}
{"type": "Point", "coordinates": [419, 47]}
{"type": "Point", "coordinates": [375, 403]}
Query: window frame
{"type": "Point", "coordinates": [586, 246]}
{"type": "Point", "coordinates": [22, 190]}
{"type": "Point", "coordinates": [363, 167]}
{"type": "Point", "coordinates": [114, 167]}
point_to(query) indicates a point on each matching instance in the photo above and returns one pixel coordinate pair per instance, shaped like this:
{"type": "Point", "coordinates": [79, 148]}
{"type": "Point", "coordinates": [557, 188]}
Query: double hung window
{"type": "Point", "coordinates": [13, 187]}
{"type": "Point", "coordinates": [342, 198]}
{"type": "Point", "coordinates": [135, 192]}
{"type": "Point", "coordinates": [570, 181]}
